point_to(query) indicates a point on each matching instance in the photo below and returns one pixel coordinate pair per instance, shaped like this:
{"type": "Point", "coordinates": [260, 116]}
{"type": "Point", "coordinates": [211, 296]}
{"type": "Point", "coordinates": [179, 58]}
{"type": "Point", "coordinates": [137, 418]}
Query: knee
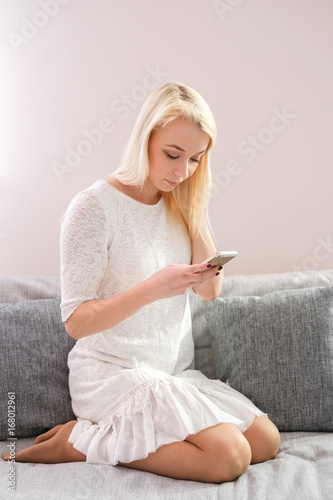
{"type": "Point", "coordinates": [273, 441]}
{"type": "Point", "coordinates": [264, 439]}
{"type": "Point", "coordinates": [231, 458]}
{"type": "Point", "coordinates": [238, 457]}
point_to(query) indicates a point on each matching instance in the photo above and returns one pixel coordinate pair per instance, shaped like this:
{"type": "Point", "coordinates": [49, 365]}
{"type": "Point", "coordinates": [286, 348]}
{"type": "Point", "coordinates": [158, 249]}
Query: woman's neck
{"type": "Point", "coordinates": [147, 195]}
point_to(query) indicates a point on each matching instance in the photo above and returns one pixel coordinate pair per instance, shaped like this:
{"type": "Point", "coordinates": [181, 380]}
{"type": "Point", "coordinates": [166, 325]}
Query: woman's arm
{"type": "Point", "coordinates": [210, 289]}
{"type": "Point", "coordinates": [95, 316]}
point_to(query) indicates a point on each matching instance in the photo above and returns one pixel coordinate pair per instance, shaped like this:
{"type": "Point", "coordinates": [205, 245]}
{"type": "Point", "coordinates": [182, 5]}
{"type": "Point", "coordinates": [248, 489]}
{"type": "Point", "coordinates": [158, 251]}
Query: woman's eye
{"type": "Point", "coordinates": [171, 157]}
{"type": "Point", "coordinates": [195, 161]}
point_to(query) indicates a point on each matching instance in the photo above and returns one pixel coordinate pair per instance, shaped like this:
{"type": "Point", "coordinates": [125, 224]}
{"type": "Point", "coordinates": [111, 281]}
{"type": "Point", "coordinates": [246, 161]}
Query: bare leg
{"type": "Point", "coordinates": [264, 439]}
{"type": "Point", "coordinates": [217, 454]}
{"type": "Point", "coordinates": [214, 455]}
{"type": "Point", "coordinates": [52, 448]}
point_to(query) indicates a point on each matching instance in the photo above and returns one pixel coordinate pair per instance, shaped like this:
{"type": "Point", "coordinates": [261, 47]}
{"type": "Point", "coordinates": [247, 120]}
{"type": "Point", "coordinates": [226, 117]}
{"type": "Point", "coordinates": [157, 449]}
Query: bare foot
{"type": "Point", "coordinates": [39, 439]}
{"type": "Point", "coordinates": [54, 449]}
{"type": "Point", "coordinates": [47, 435]}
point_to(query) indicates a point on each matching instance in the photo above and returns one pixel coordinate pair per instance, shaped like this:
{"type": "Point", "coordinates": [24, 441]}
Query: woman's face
{"type": "Point", "coordinates": [174, 152]}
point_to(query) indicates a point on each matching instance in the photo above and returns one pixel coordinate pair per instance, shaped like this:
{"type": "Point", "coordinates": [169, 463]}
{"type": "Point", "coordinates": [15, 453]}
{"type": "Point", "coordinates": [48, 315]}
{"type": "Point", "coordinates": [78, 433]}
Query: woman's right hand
{"type": "Point", "coordinates": [177, 279]}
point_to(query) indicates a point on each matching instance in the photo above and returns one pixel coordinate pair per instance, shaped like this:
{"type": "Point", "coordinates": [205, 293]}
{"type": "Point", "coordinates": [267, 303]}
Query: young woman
{"type": "Point", "coordinates": [131, 249]}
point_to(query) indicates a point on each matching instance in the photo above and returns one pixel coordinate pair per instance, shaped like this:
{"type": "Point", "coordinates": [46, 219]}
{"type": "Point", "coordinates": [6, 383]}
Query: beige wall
{"type": "Point", "coordinates": [70, 67]}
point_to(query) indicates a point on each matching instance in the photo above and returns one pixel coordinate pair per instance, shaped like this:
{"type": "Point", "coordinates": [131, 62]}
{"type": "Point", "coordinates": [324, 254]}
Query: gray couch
{"type": "Point", "coordinates": [269, 336]}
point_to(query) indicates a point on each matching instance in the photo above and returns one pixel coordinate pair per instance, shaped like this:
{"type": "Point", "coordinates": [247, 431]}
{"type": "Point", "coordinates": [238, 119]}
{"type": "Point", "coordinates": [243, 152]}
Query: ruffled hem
{"type": "Point", "coordinates": [173, 410]}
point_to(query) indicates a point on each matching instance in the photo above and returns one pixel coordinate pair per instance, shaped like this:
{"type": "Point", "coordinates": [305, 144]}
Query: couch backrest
{"type": "Point", "coordinates": [15, 288]}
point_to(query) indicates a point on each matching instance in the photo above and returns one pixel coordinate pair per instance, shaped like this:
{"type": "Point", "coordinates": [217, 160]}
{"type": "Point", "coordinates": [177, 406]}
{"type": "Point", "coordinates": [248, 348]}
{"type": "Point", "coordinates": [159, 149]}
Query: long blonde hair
{"type": "Point", "coordinates": [190, 198]}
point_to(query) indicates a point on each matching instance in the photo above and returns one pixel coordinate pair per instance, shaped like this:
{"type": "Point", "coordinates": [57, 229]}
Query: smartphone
{"type": "Point", "coordinates": [221, 258]}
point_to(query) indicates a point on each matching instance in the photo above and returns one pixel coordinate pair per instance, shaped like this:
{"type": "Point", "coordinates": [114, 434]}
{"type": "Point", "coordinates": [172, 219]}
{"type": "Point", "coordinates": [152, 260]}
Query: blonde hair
{"type": "Point", "coordinates": [190, 198]}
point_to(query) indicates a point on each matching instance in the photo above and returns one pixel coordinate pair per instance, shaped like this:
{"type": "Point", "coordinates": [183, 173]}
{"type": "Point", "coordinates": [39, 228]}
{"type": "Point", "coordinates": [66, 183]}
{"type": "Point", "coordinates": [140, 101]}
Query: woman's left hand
{"type": "Point", "coordinates": [202, 250]}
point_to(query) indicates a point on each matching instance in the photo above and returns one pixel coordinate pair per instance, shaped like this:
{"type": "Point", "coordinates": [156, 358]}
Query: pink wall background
{"type": "Point", "coordinates": [71, 67]}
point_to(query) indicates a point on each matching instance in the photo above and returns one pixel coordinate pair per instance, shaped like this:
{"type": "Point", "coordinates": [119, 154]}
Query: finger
{"type": "Point", "coordinates": [199, 268]}
{"type": "Point", "coordinates": [209, 274]}
{"type": "Point", "coordinates": [196, 278]}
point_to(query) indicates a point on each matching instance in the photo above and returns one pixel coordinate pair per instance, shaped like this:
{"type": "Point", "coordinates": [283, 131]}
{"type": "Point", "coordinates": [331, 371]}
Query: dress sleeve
{"type": "Point", "coordinates": [84, 243]}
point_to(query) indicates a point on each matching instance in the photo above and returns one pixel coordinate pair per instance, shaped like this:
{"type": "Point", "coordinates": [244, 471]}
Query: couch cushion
{"type": "Point", "coordinates": [34, 349]}
{"type": "Point", "coordinates": [255, 284]}
{"type": "Point", "coordinates": [277, 349]}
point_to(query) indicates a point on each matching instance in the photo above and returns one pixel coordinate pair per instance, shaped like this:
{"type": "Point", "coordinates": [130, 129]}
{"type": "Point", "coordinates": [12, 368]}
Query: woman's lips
{"type": "Point", "coordinates": [173, 184]}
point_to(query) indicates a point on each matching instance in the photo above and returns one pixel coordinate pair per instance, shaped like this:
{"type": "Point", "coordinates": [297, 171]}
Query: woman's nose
{"type": "Point", "coordinates": [182, 170]}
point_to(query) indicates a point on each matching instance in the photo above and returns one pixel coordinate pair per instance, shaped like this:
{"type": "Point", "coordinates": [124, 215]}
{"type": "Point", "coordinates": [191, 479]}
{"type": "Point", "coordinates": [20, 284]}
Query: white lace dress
{"type": "Point", "coordinates": [133, 386]}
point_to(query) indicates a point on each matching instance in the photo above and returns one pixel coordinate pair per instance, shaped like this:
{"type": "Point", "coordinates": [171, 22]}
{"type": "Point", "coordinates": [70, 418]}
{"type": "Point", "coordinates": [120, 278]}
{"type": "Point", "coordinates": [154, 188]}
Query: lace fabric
{"type": "Point", "coordinates": [131, 387]}
{"type": "Point", "coordinates": [168, 412]}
